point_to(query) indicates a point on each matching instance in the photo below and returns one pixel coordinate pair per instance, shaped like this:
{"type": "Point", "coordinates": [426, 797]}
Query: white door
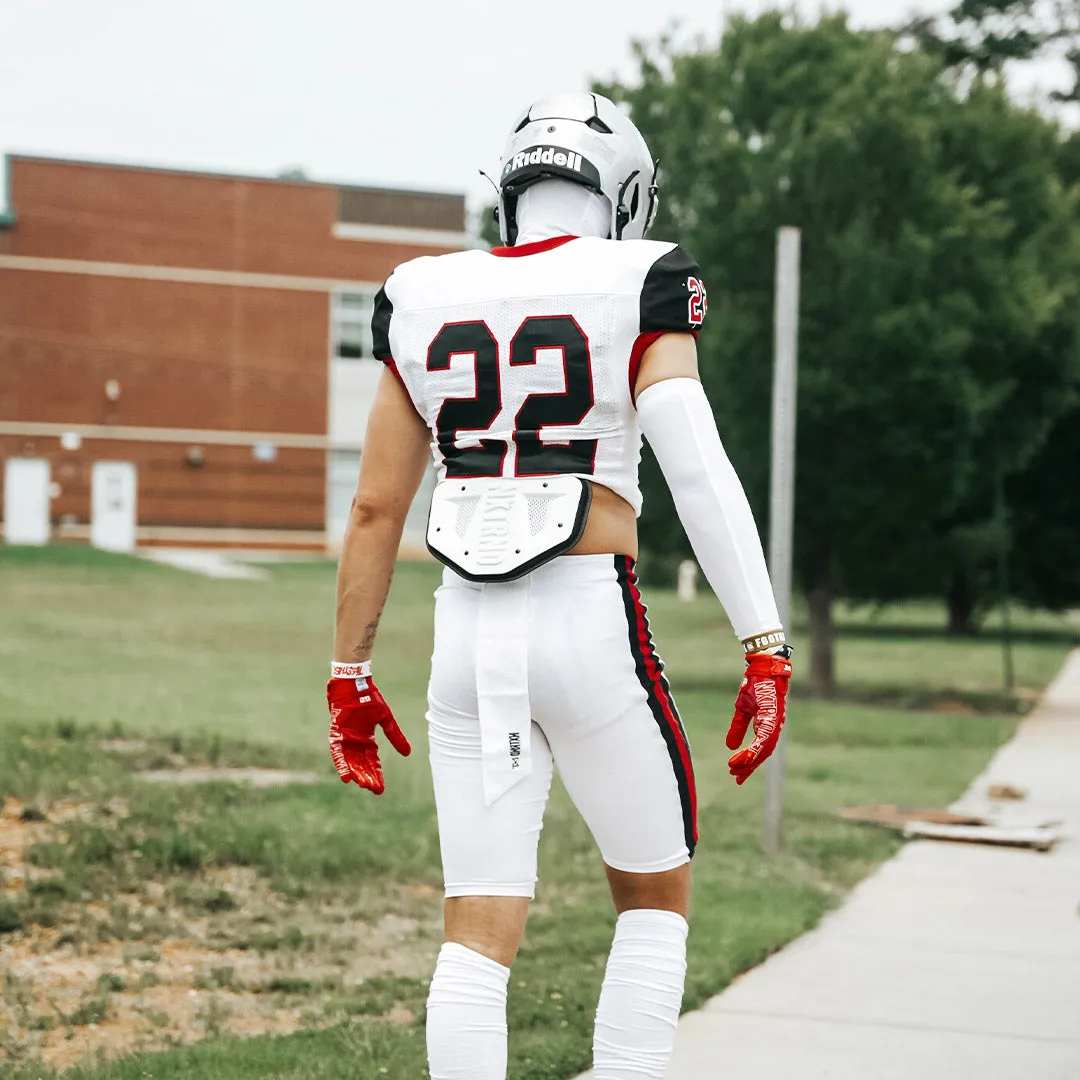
{"type": "Point", "coordinates": [112, 505]}
{"type": "Point", "coordinates": [26, 500]}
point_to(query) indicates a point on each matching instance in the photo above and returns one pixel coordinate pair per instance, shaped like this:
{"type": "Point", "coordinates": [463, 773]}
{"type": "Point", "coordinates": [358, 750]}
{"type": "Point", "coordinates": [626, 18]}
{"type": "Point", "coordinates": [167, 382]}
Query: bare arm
{"type": "Point", "coordinates": [391, 468]}
{"type": "Point", "coordinates": [673, 356]}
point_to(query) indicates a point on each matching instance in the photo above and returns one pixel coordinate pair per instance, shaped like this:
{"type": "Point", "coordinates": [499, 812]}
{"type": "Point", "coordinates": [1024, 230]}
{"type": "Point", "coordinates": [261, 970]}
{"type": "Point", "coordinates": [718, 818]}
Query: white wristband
{"type": "Point", "coordinates": [361, 670]}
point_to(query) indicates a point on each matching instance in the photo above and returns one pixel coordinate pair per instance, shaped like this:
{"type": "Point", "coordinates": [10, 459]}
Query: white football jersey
{"type": "Point", "coordinates": [523, 360]}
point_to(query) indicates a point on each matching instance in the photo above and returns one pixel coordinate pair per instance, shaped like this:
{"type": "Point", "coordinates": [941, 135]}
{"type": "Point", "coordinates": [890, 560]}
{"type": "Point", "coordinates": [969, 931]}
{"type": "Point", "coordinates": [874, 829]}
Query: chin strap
{"type": "Point", "coordinates": [622, 214]}
{"type": "Point", "coordinates": [654, 198]}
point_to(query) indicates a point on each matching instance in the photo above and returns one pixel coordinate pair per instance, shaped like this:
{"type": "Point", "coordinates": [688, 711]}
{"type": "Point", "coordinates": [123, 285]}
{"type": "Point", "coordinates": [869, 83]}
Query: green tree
{"type": "Point", "coordinates": [1069, 163]}
{"type": "Point", "coordinates": [983, 36]}
{"type": "Point", "coordinates": [489, 227]}
{"type": "Point", "coordinates": [1027, 355]}
{"type": "Point", "coordinates": [1044, 511]}
{"type": "Point", "coordinates": [976, 40]}
{"type": "Point", "coordinates": [927, 291]}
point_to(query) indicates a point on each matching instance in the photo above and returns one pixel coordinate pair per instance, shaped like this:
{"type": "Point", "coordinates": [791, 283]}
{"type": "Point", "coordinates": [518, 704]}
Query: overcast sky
{"type": "Point", "coordinates": [412, 93]}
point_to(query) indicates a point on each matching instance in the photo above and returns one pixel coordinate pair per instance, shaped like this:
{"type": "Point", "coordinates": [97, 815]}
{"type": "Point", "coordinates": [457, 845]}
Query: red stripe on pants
{"type": "Point", "coordinates": [659, 688]}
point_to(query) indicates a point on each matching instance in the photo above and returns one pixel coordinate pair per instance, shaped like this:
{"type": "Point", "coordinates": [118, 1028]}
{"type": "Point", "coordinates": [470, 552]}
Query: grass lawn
{"type": "Point", "coordinates": [138, 916]}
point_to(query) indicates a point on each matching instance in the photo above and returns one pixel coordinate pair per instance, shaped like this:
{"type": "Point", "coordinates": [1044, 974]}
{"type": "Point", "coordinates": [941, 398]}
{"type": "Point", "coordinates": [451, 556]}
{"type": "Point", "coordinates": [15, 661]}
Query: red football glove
{"type": "Point", "coordinates": [356, 710]}
{"type": "Point", "coordinates": [761, 699]}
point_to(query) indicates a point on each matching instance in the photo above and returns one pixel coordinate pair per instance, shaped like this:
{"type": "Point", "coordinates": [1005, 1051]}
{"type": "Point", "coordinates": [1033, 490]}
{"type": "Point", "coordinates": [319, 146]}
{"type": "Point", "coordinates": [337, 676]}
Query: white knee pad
{"type": "Point", "coordinates": [466, 1016]}
{"type": "Point", "coordinates": [641, 996]}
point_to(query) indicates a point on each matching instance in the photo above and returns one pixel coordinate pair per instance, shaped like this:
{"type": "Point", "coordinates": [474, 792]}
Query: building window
{"type": "Point", "coordinates": [351, 325]}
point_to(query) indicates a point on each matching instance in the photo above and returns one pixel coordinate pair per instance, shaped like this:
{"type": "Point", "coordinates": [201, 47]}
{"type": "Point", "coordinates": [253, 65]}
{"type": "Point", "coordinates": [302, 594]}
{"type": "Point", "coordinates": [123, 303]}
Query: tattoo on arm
{"type": "Point", "coordinates": [368, 640]}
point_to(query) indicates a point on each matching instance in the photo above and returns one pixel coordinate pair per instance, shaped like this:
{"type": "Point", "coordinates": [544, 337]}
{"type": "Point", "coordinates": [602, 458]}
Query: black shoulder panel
{"type": "Point", "coordinates": [673, 296]}
{"type": "Point", "coordinates": [380, 326]}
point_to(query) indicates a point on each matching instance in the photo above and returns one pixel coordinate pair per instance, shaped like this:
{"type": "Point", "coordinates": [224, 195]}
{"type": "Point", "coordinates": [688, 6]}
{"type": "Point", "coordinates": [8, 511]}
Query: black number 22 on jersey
{"type": "Point", "coordinates": [476, 414]}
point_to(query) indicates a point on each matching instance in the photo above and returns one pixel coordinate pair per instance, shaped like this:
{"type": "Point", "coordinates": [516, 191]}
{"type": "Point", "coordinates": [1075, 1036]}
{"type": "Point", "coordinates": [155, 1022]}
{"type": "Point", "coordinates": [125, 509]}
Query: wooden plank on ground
{"type": "Point", "coordinates": [1040, 838]}
{"type": "Point", "coordinates": [897, 817]}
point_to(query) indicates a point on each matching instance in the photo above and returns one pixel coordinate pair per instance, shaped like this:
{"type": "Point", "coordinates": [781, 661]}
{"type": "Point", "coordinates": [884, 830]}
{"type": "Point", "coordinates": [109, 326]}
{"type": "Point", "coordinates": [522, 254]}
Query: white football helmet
{"type": "Point", "coordinates": [585, 138]}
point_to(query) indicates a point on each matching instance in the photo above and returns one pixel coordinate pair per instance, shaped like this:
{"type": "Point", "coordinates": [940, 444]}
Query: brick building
{"type": "Point", "coordinates": [214, 330]}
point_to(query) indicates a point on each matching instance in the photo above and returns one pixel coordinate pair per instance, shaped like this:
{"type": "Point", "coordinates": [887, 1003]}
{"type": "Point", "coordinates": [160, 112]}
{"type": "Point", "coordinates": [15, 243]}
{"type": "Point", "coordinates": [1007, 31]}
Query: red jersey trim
{"type": "Point", "coordinates": [531, 249]}
{"type": "Point", "coordinates": [391, 363]}
{"type": "Point", "coordinates": [391, 366]}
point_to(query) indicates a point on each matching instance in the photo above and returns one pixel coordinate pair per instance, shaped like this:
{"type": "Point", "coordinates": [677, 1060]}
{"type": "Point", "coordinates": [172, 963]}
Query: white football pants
{"type": "Point", "coordinates": [579, 659]}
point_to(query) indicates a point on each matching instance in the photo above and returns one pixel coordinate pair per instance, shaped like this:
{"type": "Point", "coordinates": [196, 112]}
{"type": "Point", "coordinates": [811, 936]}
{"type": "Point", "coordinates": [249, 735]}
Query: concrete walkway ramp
{"type": "Point", "coordinates": [211, 564]}
{"type": "Point", "coordinates": [951, 962]}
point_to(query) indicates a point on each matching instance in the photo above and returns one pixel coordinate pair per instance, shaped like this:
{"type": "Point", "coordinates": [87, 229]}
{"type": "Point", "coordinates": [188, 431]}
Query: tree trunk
{"type": "Point", "coordinates": [960, 599]}
{"type": "Point", "coordinates": [822, 637]}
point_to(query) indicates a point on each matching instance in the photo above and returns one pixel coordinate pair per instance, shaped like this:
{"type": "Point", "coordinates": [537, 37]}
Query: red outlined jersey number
{"type": "Point", "coordinates": [699, 302]}
{"type": "Point", "coordinates": [477, 413]}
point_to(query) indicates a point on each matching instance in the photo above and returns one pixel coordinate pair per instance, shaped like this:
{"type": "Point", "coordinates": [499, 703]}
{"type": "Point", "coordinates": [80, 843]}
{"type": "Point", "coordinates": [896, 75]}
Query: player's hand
{"type": "Point", "coordinates": [356, 710]}
{"type": "Point", "coordinates": [761, 699]}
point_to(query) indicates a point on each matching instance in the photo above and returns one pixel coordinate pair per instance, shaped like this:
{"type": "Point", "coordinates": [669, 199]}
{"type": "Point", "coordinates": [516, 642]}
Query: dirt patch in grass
{"type": "Point", "coordinates": [63, 1005]}
{"type": "Point", "coordinates": [186, 957]}
{"type": "Point", "coordinates": [23, 825]}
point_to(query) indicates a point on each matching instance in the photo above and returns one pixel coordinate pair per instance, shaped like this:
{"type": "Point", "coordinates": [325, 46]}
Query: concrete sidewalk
{"type": "Point", "coordinates": [205, 563]}
{"type": "Point", "coordinates": [953, 961]}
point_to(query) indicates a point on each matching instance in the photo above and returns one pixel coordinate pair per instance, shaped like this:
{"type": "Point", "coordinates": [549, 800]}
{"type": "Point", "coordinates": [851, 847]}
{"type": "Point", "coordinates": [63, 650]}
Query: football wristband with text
{"type": "Point", "coordinates": [354, 670]}
{"type": "Point", "coordinates": [761, 642]}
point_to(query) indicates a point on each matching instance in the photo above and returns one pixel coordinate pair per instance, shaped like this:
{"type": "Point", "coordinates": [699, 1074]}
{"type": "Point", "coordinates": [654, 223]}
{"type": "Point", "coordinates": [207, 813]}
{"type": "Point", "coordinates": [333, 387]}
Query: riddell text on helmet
{"type": "Point", "coordinates": [543, 155]}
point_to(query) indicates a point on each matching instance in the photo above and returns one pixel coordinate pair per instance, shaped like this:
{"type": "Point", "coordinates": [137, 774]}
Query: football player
{"type": "Point", "coordinates": [532, 372]}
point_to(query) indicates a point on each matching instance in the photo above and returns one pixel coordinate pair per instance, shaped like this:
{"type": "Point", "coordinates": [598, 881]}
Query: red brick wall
{"type": "Point", "coordinates": [103, 213]}
{"type": "Point", "coordinates": [231, 489]}
{"type": "Point", "coordinates": [185, 356]}
{"type": "Point", "coordinates": [191, 356]}
{"type": "Point", "coordinates": [196, 356]}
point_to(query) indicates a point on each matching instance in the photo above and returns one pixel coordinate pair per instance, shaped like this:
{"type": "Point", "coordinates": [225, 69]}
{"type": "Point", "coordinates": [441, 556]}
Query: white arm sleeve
{"type": "Point", "coordinates": [677, 420]}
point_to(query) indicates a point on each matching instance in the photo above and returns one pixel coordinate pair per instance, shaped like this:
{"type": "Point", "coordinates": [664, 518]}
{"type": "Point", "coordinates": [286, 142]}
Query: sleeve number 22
{"type": "Point", "coordinates": [699, 302]}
